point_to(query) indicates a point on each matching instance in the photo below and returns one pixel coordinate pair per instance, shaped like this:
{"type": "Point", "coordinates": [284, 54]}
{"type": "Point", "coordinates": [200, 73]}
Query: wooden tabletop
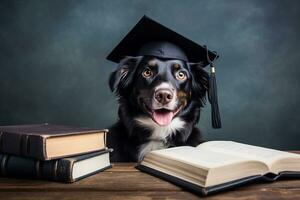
{"type": "Point", "coordinates": [123, 181]}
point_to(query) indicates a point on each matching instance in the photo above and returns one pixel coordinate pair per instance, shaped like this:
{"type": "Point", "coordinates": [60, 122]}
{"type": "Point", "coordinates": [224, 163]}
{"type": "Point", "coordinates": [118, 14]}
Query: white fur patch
{"type": "Point", "coordinates": [164, 85]}
{"type": "Point", "coordinates": [159, 133]}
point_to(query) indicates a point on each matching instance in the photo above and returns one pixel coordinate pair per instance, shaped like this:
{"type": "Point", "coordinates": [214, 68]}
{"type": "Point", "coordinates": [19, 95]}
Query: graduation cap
{"type": "Point", "coordinates": [150, 38]}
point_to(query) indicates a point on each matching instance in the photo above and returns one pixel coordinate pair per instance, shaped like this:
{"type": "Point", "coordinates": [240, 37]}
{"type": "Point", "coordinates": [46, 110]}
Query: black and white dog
{"type": "Point", "coordinates": [159, 105]}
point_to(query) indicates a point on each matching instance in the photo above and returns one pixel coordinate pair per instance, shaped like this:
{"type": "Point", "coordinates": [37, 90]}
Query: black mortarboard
{"type": "Point", "coordinates": [149, 37]}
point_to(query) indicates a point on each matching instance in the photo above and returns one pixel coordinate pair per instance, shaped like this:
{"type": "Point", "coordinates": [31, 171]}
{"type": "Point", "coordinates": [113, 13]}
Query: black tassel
{"type": "Point", "coordinates": [213, 95]}
{"type": "Point", "coordinates": [213, 99]}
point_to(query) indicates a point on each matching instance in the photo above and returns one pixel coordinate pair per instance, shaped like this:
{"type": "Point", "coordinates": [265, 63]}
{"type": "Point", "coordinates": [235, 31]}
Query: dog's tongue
{"type": "Point", "coordinates": [163, 118]}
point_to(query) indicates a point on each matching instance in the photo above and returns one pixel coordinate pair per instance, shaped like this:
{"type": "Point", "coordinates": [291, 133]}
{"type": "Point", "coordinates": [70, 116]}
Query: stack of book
{"type": "Point", "coordinates": [52, 152]}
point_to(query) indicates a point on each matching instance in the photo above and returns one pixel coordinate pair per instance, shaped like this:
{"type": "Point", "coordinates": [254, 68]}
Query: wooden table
{"type": "Point", "coordinates": [123, 181]}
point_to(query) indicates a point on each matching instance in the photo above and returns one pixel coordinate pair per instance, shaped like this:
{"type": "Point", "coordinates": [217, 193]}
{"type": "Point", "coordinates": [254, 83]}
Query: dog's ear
{"type": "Point", "coordinates": [122, 76]}
{"type": "Point", "coordinates": [200, 81]}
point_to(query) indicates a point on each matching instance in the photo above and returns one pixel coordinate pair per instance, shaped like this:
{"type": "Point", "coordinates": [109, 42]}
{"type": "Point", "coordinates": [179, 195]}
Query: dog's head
{"type": "Point", "coordinates": [160, 88]}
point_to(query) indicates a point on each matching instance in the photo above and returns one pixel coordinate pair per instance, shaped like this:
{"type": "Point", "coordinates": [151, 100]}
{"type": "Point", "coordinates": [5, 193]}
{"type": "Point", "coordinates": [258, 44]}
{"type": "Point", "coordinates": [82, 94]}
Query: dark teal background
{"type": "Point", "coordinates": [53, 67]}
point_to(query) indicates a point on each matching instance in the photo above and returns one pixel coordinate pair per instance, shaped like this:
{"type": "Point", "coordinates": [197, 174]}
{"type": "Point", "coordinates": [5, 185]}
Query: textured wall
{"type": "Point", "coordinates": [53, 67]}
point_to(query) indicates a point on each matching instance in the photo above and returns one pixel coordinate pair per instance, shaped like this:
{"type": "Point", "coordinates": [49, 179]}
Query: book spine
{"type": "Point", "coordinates": [20, 167]}
{"type": "Point", "coordinates": [36, 147]}
{"type": "Point", "coordinates": [10, 143]}
{"type": "Point", "coordinates": [64, 171]}
{"type": "Point", "coordinates": [23, 145]}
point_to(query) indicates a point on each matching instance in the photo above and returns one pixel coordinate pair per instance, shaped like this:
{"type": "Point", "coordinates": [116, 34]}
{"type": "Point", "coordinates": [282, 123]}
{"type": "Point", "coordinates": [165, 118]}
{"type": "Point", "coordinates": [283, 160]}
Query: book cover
{"type": "Point", "coordinates": [269, 177]}
{"type": "Point", "coordinates": [47, 141]}
{"type": "Point", "coordinates": [68, 169]}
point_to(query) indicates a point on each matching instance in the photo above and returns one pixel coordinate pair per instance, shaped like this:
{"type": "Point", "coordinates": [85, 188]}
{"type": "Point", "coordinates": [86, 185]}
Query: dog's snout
{"type": "Point", "coordinates": [164, 96]}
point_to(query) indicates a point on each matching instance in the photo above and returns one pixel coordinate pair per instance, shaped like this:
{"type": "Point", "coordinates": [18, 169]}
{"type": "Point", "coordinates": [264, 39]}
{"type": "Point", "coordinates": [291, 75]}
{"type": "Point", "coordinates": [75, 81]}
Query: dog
{"type": "Point", "coordinates": [159, 105]}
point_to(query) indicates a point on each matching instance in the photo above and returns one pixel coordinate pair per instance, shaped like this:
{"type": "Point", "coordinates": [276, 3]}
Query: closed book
{"type": "Point", "coordinates": [219, 165]}
{"type": "Point", "coordinates": [48, 141]}
{"type": "Point", "coordinates": [64, 170]}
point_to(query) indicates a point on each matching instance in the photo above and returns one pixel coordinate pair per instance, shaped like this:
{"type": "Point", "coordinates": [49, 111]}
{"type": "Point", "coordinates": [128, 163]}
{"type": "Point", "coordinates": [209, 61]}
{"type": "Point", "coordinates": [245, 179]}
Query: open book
{"type": "Point", "coordinates": [218, 165]}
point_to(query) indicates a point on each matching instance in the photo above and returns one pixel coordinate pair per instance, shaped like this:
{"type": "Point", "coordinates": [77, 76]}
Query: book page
{"type": "Point", "coordinates": [199, 157]}
{"type": "Point", "coordinates": [265, 155]}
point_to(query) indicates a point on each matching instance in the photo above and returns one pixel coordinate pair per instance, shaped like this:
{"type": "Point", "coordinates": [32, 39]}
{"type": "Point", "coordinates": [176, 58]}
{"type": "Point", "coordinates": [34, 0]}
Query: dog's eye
{"type": "Point", "coordinates": [180, 75]}
{"type": "Point", "coordinates": [147, 73]}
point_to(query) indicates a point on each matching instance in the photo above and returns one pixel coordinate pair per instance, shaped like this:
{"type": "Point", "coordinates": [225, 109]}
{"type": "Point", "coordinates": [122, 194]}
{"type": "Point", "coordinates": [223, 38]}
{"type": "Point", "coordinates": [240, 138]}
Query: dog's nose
{"type": "Point", "coordinates": [163, 96]}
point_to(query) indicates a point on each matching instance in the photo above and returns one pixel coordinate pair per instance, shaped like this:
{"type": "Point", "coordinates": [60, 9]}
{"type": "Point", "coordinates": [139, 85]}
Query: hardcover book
{"type": "Point", "coordinates": [218, 165]}
{"type": "Point", "coordinates": [65, 169]}
{"type": "Point", "coordinates": [47, 141]}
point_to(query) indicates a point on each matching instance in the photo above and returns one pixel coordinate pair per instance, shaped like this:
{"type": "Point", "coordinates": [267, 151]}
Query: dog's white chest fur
{"type": "Point", "coordinates": [159, 133]}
